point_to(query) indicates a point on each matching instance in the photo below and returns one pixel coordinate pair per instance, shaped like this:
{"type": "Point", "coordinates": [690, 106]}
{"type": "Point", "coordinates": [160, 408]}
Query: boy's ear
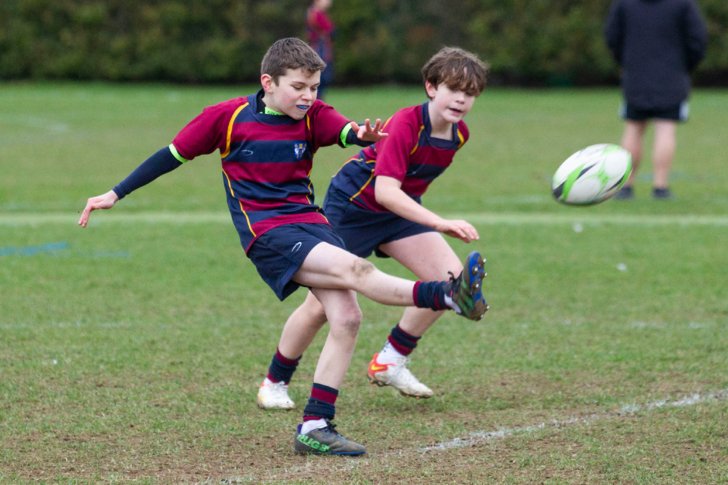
{"type": "Point", "coordinates": [430, 89]}
{"type": "Point", "coordinates": [266, 80]}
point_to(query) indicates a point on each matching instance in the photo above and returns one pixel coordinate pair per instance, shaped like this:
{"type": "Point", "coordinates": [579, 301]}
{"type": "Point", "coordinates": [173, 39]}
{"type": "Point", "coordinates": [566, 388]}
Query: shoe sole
{"type": "Point", "coordinates": [276, 408]}
{"type": "Point", "coordinates": [474, 277]}
{"type": "Point", "coordinates": [339, 453]}
{"type": "Point", "coordinates": [373, 381]}
{"type": "Point", "coordinates": [283, 408]}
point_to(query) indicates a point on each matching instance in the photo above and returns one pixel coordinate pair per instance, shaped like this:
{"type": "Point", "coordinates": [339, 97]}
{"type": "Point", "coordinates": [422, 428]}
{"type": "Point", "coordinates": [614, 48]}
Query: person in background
{"type": "Point", "coordinates": [320, 30]}
{"type": "Point", "coordinates": [657, 44]}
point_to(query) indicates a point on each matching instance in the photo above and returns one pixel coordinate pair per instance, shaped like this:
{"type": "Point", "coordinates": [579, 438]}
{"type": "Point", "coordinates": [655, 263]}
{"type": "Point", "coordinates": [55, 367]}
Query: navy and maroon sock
{"type": "Point", "coordinates": [430, 294]}
{"type": "Point", "coordinates": [282, 368]}
{"type": "Point", "coordinates": [321, 404]}
{"type": "Point", "coordinates": [403, 342]}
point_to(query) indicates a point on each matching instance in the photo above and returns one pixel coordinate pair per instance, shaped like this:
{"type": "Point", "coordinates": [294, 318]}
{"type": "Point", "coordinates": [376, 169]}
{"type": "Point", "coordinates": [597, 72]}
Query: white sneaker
{"type": "Point", "coordinates": [397, 375]}
{"type": "Point", "coordinates": [274, 395]}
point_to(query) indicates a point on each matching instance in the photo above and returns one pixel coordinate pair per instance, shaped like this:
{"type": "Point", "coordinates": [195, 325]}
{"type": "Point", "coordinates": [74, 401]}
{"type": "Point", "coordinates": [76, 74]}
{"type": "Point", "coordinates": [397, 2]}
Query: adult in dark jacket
{"type": "Point", "coordinates": [657, 43]}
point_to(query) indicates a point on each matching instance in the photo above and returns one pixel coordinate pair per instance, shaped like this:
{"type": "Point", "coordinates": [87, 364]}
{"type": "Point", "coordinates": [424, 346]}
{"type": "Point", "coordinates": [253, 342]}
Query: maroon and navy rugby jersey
{"type": "Point", "coordinates": [266, 160]}
{"type": "Point", "coordinates": [409, 154]}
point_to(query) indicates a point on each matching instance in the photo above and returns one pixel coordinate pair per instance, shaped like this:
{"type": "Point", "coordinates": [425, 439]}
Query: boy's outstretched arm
{"type": "Point", "coordinates": [158, 164]}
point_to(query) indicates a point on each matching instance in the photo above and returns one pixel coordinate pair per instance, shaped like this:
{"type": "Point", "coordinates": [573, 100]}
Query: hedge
{"type": "Point", "coordinates": [526, 42]}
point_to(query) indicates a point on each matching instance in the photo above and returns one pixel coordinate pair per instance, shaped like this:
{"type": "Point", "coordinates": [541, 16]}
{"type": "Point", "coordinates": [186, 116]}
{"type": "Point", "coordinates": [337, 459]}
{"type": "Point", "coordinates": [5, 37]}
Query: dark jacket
{"type": "Point", "coordinates": [657, 43]}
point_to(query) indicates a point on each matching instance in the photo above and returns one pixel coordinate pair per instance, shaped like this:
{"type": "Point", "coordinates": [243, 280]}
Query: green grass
{"type": "Point", "coordinates": [132, 350]}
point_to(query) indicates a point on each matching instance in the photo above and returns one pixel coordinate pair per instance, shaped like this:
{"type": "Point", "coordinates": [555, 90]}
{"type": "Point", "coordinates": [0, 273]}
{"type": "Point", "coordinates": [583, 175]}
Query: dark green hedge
{"type": "Point", "coordinates": [525, 41]}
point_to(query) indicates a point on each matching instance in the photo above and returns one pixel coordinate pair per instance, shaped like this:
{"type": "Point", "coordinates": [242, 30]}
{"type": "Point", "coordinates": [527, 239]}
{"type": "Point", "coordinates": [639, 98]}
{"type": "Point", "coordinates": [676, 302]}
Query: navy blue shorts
{"type": "Point", "coordinates": [280, 252]}
{"type": "Point", "coordinates": [364, 230]}
{"type": "Point", "coordinates": [679, 112]}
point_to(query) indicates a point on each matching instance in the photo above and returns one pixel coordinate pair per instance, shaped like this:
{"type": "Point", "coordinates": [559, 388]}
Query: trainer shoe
{"type": "Point", "coordinates": [625, 193]}
{"type": "Point", "coordinates": [274, 395]}
{"type": "Point", "coordinates": [398, 376]}
{"type": "Point", "coordinates": [465, 291]}
{"type": "Point", "coordinates": [325, 441]}
{"type": "Point", "coordinates": [661, 193]}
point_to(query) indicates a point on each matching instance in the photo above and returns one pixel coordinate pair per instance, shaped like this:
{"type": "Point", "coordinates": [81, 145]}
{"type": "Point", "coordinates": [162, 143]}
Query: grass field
{"type": "Point", "coordinates": [132, 350]}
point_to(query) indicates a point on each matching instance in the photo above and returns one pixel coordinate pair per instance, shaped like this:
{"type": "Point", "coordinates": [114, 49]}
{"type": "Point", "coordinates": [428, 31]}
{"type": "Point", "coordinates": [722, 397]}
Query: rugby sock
{"type": "Point", "coordinates": [321, 404]}
{"type": "Point", "coordinates": [400, 342]}
{"type": "Point", "coordinates": [430, 294]}
{"type": "Point", "coordinates": [282, 368]}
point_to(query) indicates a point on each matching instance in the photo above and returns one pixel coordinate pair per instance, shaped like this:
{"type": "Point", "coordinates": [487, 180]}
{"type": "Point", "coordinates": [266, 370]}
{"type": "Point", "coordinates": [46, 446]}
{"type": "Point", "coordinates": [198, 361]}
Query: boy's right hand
{"type": "Point", "coordinates": [103, 201]}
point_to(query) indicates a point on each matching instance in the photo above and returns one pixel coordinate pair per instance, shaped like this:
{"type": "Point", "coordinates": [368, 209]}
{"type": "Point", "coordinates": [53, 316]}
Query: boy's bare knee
{"type": "Point", "coordinates": [361, 267]}
{"type": "Point", "coordinates": [352, 273]}
{"type": "Point", "coordinates": [348, 321]}
{"type": "Point", "coordinates": [350, 326]}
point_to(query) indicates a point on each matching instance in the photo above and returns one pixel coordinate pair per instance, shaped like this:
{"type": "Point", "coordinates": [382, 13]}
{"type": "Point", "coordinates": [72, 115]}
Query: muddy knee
{"type": "Point", "coordinates": [347, 322]}
{"type": "Point", "coordinates": [361, 268]}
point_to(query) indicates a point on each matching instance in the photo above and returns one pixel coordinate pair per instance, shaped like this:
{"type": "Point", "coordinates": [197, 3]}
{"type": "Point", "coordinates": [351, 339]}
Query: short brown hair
{"type": "Point", "coordinates": [290, 53]}
{"type": "Point", "coordinates": [458, 69]}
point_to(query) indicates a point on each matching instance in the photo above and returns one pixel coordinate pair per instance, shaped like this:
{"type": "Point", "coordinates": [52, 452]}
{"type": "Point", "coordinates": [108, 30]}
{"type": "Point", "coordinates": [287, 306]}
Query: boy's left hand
{"type": "Point", "coordinates": [458, 228]}
{"type": "Point", "coordinates": [103, 201]}
{"type": "Point", "coordinates": [367, 132]}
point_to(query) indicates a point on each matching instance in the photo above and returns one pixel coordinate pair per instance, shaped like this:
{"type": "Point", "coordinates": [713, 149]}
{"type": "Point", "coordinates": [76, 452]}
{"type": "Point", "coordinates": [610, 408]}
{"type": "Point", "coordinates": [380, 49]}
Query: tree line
{"type": "Point", "coordinates": [525, 42]}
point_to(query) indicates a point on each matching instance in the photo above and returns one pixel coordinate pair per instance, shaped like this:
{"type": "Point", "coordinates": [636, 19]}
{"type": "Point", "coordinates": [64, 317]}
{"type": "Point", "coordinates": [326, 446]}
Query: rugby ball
{"type": "Point", "coordinates": [591, 175]}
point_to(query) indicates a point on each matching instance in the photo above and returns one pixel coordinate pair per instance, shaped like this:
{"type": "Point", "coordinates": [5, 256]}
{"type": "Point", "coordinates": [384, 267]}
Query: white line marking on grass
{"type": "Point", "coordinates": [553, 218]}
{"type": "Point", "coordinates": [118, 217]}
{"type": "Point", "coordinates": [547, 218]}
{"type": "Point", "coordinates": [63, 325]}
{"type": "Point", "coordinates": [477, 437]}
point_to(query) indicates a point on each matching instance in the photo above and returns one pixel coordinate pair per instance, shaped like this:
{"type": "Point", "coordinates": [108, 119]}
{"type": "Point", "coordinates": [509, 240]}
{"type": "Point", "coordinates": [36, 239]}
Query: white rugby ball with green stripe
{"type": "Point", "coordinates": [592, 175]}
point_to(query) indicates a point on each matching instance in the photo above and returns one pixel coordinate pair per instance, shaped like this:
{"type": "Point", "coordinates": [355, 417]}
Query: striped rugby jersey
{"type": "Point", "coordinates": [266, 160]}
{"type": "Point", "coordinates": [409, 153]}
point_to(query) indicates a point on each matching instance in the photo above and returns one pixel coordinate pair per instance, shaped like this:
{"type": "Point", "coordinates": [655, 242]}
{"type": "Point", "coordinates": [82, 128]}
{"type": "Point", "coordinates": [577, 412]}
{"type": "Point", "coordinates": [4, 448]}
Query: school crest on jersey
{"type": "Point", "coordinates": [299, 149]}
